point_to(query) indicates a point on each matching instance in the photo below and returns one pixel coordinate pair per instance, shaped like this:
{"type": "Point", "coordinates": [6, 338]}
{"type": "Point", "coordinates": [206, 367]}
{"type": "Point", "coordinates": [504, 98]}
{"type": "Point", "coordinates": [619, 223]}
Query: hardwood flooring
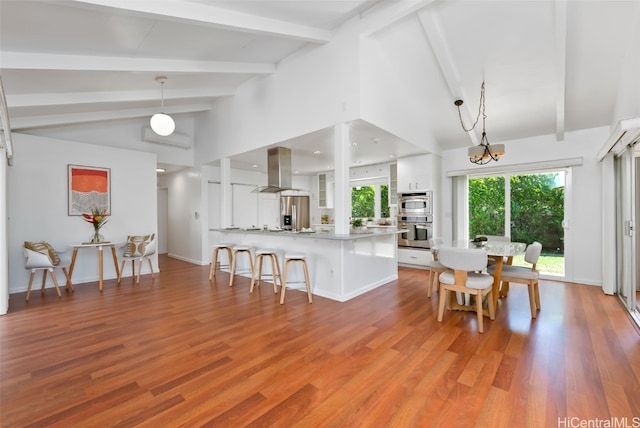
{"type": "Point", "coordinates": [179, 351]}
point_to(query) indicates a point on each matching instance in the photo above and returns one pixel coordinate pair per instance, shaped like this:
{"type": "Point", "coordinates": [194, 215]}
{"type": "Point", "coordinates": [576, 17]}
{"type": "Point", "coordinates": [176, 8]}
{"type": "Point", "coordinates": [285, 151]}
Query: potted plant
{"type": "Point", "coordinates": [356, 223]}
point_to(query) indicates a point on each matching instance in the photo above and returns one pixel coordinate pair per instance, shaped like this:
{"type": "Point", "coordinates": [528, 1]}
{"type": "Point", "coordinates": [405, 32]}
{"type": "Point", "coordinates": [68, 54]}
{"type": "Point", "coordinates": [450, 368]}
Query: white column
{"type": "Point", "coordinates": [342, 160]}
{"type": "Point", "coordinates": [225, 193]}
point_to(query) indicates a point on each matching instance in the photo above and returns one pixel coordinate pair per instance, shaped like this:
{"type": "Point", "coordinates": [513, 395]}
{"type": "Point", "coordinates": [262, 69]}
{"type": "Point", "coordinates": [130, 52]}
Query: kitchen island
{"type": "Point", "coordinates": [341, 267]}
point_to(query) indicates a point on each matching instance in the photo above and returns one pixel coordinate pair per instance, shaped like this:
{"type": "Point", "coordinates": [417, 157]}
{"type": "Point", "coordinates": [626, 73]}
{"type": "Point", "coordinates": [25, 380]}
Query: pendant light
{"type": "Point", "coordinates": [484, 152]}
{"type": "Point", "coordinates": [161, 123]}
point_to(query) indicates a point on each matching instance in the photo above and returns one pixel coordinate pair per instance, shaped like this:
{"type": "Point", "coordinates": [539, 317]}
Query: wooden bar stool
{"type": "Point", "coordinates": [289, 258]}
{"type": "Point", "coordinates": [214, 258]}
{"type": "Point", "coordinates": [234, 255]}
{"type": "Point", "coordinates": [275, 267]}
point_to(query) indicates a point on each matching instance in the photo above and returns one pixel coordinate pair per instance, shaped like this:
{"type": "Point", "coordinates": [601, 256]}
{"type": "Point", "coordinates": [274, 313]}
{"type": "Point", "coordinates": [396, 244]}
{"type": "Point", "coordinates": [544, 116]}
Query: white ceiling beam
{"type": "Point", "coordinates": [39, 61]}
{"type": "Point", "coordinates": [388, 13]}
{"type": "Point", "coordinates": [32, 122]}
{"type": "Point", "coordinates": [437, 40]}
{"type": "Point", "coordinates": [71, 98]}
{"type": "Point", "coordinates": [185, 11]}
{"type": "Point", "coordinates": [561, 66]}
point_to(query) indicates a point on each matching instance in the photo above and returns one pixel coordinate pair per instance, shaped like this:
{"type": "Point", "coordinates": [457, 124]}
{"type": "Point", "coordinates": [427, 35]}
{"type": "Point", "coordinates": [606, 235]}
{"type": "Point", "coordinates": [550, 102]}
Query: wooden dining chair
{"type": "Point", "coordinates": [526, 275]}
{"type": "Point", "coordinates": [463, 277]}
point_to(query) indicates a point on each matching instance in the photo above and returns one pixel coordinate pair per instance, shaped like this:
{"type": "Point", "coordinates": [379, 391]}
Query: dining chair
{"type": "Point", "coordinates": [463, 277]}
{"type": "Point", "coordinates": [42, 256]}
{"type": "Point", "coordinates": [435, 267]}
{"type": "Point", "coordinates": [526, 275]}
{"type": "Point", "coordinates": [137, 249]}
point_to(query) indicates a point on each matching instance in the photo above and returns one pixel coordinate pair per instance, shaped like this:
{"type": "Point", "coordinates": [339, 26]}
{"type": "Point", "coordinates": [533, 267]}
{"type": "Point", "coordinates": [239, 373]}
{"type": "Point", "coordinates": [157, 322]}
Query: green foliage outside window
{"type": "Point", "coordinates": [384, 201]}
{"type": "Point", "coordinates": [537, 209]}
{"type": "Point", "coordinates": [363, 201]}
{"type": "Point", "coordinates": [486, 206]}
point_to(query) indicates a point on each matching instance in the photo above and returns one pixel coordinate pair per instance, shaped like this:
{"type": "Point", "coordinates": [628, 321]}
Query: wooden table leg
{"type": "Point", "coordinates": [115, 261]}
{"type": "Point", "coordinates": [497, 273]}
{"type": "Point", "coordinates": [73, 262]}
{"type": "Point", "coordinates": [100, 266]}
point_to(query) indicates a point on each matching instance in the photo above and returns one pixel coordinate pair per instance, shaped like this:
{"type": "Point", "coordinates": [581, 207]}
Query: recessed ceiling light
{"type": "Point", "coordinates": [353, 144]}
{"type": "Point", "coordinates": [358, 161]}
{"type": "Point", "coordinates": [161, 170]}
{"type": "Point", "coordinates": [254, 166]}
{"type": "Point", "coordinates": [391, 156]}
{"type": "Point", "coordinates": [296, 172]}
{"type": "Point", "coordinates": [317, 152]}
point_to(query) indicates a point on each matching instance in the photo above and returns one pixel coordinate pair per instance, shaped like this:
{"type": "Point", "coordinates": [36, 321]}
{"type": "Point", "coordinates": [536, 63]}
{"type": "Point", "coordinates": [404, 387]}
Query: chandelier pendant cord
{"type": "Point", "coordinates": [483, 153]}
{"type": "Point", "coordinates": [481, 111]}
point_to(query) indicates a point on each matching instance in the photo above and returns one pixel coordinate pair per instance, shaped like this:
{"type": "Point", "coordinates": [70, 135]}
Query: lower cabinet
{"type": "Point", "coordinates": [414, 258]}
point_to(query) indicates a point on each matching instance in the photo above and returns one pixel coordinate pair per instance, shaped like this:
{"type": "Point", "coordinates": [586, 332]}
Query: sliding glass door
{"type": "Point", "coordinates": [626, 188]}
{"type": "Point", "coordinates": [526, 207]}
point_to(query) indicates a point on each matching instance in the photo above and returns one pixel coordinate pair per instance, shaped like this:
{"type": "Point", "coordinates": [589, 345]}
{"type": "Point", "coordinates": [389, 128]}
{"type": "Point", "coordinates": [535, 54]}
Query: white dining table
{"type": "Point", "coordinates": [100, 247]}
{"type": "Point", "coordinates": [498, 251]}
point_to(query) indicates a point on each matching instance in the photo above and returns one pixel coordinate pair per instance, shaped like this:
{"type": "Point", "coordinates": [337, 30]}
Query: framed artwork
{"type": "Point", "coordinates": [89, 189]}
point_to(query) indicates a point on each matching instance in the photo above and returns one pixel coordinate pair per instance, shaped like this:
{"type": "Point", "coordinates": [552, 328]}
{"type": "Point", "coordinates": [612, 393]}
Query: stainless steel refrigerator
{"type": "Point", "coordinates": [294, 212]}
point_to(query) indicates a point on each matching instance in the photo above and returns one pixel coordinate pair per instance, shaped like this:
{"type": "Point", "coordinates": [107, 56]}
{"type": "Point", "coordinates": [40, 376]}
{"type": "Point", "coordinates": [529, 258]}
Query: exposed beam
{"type": "Point", "coordinates": [32, 122]}
{"type": "Point", "coordinates": [437, 40]}
{"type": "Point", "coordinates": [561, 66]}
{"type": "Point", "coordinates": [185, 11]}
{"type": "Point", "coordinates": [388, 13]}
{"type": "Point", "coordinates": [72, 98]}
{"type": "Point", "coordinates": [39, 61]}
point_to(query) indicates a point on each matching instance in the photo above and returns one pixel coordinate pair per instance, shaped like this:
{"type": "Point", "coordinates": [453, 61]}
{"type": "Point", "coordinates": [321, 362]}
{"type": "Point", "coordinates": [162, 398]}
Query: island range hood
{"type": "Point", "coordinates": [278, 170]}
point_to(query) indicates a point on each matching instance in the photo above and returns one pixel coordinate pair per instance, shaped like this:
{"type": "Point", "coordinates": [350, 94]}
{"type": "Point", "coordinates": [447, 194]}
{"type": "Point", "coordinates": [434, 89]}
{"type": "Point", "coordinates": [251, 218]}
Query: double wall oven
{"type": "Point", "coordinates": [415, 213]}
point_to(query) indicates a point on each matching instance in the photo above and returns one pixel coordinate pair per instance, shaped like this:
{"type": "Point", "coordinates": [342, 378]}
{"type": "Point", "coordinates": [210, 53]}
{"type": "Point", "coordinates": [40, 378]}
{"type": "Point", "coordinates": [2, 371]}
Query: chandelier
{"type": "Point", "coordinates": [484, 152]}
{"type": "Point", "coordinates": [161, 123]}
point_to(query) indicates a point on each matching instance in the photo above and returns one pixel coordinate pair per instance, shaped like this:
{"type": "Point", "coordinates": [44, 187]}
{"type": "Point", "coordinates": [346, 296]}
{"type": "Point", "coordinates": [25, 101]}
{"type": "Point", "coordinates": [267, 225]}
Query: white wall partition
{"type": "Point", "coordinates": [37, 201]}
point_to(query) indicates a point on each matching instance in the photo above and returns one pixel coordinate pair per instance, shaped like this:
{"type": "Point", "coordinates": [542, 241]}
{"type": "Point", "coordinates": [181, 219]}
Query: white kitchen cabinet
{"type": "Point", "coordinates": [415, 173]}
{"type": "Point", "coordinates": [325, 190]}
{"type": "Point", "coordinates": [414, 258]}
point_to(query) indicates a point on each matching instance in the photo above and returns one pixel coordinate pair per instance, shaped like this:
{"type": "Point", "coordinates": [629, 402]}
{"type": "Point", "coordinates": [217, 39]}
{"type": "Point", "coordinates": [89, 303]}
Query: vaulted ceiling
{"type": "Point", "coordinates": [549, 66]}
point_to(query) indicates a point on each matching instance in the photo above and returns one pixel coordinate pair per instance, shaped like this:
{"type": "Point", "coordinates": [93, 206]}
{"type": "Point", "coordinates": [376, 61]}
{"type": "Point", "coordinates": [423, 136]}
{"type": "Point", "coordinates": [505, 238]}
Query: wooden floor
{"type": "Point", "coordinates": [181, 351]}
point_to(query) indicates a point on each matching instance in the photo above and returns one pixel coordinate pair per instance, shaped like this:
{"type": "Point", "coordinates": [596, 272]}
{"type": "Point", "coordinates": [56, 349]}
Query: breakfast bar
{"type": "Point", "coordinates": [341, 267]}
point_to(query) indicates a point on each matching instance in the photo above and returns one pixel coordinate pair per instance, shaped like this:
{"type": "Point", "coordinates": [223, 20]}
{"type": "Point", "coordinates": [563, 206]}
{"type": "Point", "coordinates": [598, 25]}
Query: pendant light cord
{"type": "Point", "coordinates": [481, 111]}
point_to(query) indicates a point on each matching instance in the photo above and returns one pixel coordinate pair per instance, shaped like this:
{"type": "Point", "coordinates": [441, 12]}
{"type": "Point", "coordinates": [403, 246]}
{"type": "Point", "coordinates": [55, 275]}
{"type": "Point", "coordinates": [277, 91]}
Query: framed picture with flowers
{"type": "Point", "coordinates": [89, 190]}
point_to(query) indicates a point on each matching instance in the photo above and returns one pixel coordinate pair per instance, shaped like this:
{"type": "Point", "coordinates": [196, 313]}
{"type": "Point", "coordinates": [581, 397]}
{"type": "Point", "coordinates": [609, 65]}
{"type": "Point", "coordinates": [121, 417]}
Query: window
{"type": "Point", "coordinates": [370, 201]}
{"type": "Point", "coordinates": [526, 207]}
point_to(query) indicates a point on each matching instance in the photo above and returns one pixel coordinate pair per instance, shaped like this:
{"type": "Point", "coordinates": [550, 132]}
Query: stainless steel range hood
{"type": "Point", "coordinates": [278, 170]}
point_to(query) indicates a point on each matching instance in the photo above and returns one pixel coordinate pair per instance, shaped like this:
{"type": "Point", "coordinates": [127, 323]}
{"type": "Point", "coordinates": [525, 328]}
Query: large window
{"type": "Point", "coordinates": [526, 207]}
{"type": "Point", "coordinates": [370, 201]}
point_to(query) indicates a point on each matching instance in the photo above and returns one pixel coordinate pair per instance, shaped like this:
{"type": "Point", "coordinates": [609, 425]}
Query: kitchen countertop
{"type": "Point", "coordinates": [318, 234]}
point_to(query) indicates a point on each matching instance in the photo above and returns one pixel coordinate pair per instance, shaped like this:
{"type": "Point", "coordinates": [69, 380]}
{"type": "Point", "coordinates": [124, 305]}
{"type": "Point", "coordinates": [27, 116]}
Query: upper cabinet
{"type": "Point", "coordinates": [325, 190]}
{"type": "Point", "coordinates": [416, 173]}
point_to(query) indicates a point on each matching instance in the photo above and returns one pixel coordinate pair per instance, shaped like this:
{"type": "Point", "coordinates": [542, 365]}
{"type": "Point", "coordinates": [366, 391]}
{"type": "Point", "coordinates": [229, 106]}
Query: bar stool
{"type": "Point", "coordinates": [275, 267]}
{"type": "Point", "coordinates": [239, 249]}
{"type": "Point", "coordinates": [214, 258]}
{"type": "Point", "coordinates": [289, 258]}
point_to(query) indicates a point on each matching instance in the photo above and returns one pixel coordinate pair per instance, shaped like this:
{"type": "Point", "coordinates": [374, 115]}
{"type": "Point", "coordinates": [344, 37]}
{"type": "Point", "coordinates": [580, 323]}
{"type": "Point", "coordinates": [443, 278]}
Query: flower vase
{"type": "Point", "coordinates": [96, 238]}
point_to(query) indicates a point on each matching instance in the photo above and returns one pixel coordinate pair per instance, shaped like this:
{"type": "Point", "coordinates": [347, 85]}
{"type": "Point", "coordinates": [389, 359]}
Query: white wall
{"type": "Point", "coordinates": [394, 96]}
{"type": "Point", "coordinates": [310, 91]}
{"type": "Point", "coordinates": [127, 134]}
{"type": "Point", "coordinates": [37, 201]}
{"type": "Point", "coordinates": [583, 238]}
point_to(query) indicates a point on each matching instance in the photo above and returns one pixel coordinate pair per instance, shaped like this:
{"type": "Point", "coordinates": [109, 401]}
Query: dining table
{"type": "Point", "coordinates": [500, 251]}
{"type": "Point", "coordinates": [100, 247]}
